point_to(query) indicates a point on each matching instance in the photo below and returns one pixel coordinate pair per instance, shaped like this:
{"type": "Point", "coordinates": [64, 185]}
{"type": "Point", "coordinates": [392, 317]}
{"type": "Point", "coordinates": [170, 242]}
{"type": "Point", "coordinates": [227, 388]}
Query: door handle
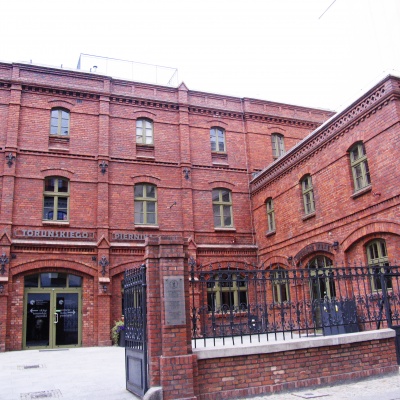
{"type": "Point", "coordinates": [56, 320]}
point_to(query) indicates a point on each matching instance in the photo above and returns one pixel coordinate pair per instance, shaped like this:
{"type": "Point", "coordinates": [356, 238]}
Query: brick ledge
{"type": "Point", "coordinates": [291, 344]}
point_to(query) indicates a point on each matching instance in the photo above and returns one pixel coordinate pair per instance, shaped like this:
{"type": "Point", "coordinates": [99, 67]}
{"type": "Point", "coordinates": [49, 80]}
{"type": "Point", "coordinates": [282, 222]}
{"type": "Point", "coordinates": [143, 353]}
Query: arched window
{"type": "Point", "coordinates": [278, 145]}
{"type": "Point", "coordinates": [56, 199]}
{"type": "Point", "coordinates": [270, 214]}
{"type": "Point", "coordinates": [280, 285]}
{"type": "Point", "coordinates": [144, 131]}
{"type": "Point", "coordinates": [222, 208]}
{"type": "Point", "coordinates": [308, 194]}
{"type": "Point", "coordinates": [226, 291]}
{"type": "Point", "coordinates": [359, 166]}
{"type": "Point", "coordinates": [145, 204]}
{"type": "Point", "coordinates": [59, 122]}
{"type": "Point", "coordinates": [377, 256]}
{"type": "Point", "coordinates": [217, 138]}
{"type": "Point", "coordinates": [321, 274]}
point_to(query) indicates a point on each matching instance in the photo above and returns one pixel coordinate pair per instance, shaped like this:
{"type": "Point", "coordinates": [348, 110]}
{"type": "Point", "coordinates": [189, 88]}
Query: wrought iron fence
{"type": "Point", "coordinates": [135, 308]}
{"type": "Point", "coordinates": [240, 302]}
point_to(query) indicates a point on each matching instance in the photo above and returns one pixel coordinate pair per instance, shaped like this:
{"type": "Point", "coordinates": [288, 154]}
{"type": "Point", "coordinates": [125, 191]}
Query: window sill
{"type": "Point", "coordinates": [153, 227]}
{"type": "Point", "coordinates": [60, 223]}
{"type": "Point", "coordinates": [145, 151]}
{"type": "Point", "coordinates": [270, 233]}
{"type": "Point", "coordinates": [219, 158]}
{"type": "Point", "coordinates": [220, 229]}
{"type": "Point", "coordinates": [362, 191]}
{"type": "Point", "coordinates": [309, 216]}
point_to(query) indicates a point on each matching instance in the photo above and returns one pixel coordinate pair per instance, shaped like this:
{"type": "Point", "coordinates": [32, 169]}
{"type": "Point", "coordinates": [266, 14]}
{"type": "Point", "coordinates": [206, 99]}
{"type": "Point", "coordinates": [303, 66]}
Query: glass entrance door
{"type": "Point", "coordinates": [52, 318]}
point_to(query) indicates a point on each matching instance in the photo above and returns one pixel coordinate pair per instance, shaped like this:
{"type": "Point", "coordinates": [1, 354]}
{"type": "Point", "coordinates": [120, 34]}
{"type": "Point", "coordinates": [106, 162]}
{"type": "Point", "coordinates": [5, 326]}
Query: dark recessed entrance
{"type": "Point", "coordinates": [52, 309]}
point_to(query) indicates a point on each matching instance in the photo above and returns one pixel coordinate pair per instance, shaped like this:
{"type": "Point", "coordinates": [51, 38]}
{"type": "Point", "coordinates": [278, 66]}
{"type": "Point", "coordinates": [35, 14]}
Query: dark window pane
{"type": "Point", "coordinates": [215, 195]}
{"type": "Point", "coordinates": [49, 184]}
{"type": "Point", "coordinates": [31, 281]}
{"type": "Point", "coordinates": [151, 191]}
{"type": "Point", "coordinates": [226, 196]}
{"type": "Point", "coordinates": [53, 279]}
{"type": "Point", "coordinates": [74, 281]}
{"type": "Point", "coordinates": [63, 185]}
{"type": "Point", "coordinates": [138, 191]}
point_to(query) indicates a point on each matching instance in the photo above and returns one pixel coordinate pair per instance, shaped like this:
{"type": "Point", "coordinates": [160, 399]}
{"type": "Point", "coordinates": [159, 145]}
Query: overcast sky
{"type": "Point", "coordinates": [278, 50]}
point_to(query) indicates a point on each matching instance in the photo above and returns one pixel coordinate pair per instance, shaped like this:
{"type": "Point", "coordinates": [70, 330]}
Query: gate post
{"type": "Point", "coordinates": [171, 362]}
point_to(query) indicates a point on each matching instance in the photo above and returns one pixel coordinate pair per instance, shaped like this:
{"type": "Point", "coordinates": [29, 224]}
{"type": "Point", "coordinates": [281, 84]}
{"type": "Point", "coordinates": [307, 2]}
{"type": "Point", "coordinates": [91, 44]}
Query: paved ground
{"type": "Point", "coordinates": [379, 388]}
{"type": "Point", "coordinates": [94, 373]}
{"type": "Point", "coordinates": [98, 373]}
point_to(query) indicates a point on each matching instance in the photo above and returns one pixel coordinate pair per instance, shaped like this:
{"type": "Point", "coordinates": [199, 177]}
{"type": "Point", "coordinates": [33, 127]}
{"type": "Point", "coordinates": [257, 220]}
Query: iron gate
{"type": "Point", "coordinates": [135, 330]}
{"type": "Point", "coordinates": [389, 278]}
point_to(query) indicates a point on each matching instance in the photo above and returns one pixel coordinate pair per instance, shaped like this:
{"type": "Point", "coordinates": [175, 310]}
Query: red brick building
{"type": "Point", "coordinates": [94, 165]}
{"type": "Point", "coordinates": [333, 199]}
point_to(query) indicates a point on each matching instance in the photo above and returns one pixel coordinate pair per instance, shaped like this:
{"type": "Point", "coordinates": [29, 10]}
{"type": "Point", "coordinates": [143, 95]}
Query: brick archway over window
{"type": "Point", "coordinates": [369, 229]}
{"type": "Point", "coordinates": [62, 264]}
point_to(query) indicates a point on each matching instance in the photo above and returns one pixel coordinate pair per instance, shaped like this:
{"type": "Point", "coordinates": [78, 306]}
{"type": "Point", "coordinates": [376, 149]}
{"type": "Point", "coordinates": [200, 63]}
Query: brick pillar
{"type": "Point", "coordinates": [171, 362]}
{"type": "Point", "coordinates": [3, 315]}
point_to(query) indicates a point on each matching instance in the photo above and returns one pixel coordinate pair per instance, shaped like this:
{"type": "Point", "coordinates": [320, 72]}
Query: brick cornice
{"type": "Point", "coordinates": [373, 101]}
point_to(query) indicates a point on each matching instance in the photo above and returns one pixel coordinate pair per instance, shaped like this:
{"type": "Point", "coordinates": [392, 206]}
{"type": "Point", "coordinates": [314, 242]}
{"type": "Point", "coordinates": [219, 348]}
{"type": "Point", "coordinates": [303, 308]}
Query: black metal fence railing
{"type": "Point", "coordinates": [235, 302]}
{"type": "Point", "coordinates": [135, 313]}
{"type": "Point", "coordinates": [135, 308]}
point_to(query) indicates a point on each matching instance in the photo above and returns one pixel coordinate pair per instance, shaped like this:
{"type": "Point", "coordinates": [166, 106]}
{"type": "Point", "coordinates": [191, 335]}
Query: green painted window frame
{"type": "Point", "coordinates": [222, 208]}
{"type": "Point", "coordinates": [269, 205]}
{"type": "Point", "coordinates": [377, 256]}
{"type": "Point", "coordinates": [144, 131]}
{"type": "Point", "coordinates": [145, 204]}
{"type": "Point", "coordinates": [218, 139]}
{"type": "Point", "coordinates": [60, 213]}
{"type": "Point", "coordinates": [280, 286]}
{"type": "Point", "coordinates": [59, 122]}
{"type": "Point", "coordinates": [308, 195]}
{"type": "Point", "coordinates": [359, 167]}
{"type": "Point", "coordinates": [278, 145]}
{"type": "Point", "coordinates": [227, 293]}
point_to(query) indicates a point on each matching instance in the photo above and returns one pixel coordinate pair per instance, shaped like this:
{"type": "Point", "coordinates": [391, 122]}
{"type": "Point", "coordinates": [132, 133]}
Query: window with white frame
{"type": "Point", "coordinates": [59, 122]}
{"type": "Point", "coordinates": [278, 145]}
{"type": "Point", "coordinates": [377, 257]}
{"type": "Point", "coordinates": [222, 208]}
{"type": "Point", "coordinates": [308, 195]}
{"type": "Point", "coordinates": [270, 215]}
{"type": "Point", "coordinates": [359, 166]}
{"type": "Point", "coordinates": [144, 131]}
{"type": "Point", "coordinates": [217, 138]}
{"type": "Point", "coordinates": [145, 204]}
{"type": "Point", "coordinates": [226, 291]}
{"type": "Point", "coordinates": [56, 199]}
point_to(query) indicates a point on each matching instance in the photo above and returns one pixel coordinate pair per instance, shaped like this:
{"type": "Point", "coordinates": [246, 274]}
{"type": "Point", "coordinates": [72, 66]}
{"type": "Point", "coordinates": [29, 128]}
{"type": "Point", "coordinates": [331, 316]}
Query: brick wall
{"type": "Point", "coordinates": [241, 376]}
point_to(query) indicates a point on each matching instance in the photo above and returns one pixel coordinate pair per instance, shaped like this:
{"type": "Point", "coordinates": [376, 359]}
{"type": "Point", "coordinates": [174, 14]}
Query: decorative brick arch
{"type": "Point", "coordinates": [57, 172]}
{"type": "Point", "coordinates": [370, 229]}
{"type": "Point", "coordinates": [144, 114]}
{"type": "Point", "coordinates": [58, 103]}
{"type": "Point", "coordinates": [275, 260]}
{"type": "Point", "coordinates": [146, 179]}
{"type": "Point", "coordinates": [120, 268]}
{"type": "Point", "coordinates": [54, 263]}
{"type": "Point", "coordinates": [222, 184]}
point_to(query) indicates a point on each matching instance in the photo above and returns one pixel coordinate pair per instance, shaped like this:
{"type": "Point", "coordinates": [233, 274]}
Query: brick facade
{"type": "Point", "coordinates": [102, 129]}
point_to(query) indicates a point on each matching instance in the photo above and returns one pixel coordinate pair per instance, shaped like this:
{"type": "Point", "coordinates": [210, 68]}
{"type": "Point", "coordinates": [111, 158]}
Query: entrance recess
{"type": "Point", "coordinates": [52, 314]}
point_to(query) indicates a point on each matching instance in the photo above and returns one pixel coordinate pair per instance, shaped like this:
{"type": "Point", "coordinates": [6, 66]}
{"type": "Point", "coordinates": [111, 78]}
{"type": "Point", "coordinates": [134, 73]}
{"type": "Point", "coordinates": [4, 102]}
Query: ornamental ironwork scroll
{"type": "Point", "coordinates": [3, 261]}
{"type": "Point", "coordinates": [104, 263]}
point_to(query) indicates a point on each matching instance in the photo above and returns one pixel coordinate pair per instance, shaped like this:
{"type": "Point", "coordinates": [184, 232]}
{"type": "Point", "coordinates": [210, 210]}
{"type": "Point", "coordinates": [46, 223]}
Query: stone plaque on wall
{"type": "Point", "coordinates": [174, 300]}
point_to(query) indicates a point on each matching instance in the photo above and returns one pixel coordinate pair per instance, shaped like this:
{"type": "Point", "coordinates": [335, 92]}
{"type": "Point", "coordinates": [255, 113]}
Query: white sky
{"type": "Point", "coordinates": [278, 50]}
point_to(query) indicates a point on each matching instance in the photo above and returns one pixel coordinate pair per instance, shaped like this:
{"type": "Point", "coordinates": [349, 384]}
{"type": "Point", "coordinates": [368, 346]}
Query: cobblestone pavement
{"type": "Point", "coordinates": [378, 388]}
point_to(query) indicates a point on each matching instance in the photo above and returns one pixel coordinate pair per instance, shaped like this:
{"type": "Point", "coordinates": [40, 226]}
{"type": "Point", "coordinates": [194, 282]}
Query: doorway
{"type": "Point", "coordinates": [52, 313]}
{"type": "Point", "coordinates": [326, 313]}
